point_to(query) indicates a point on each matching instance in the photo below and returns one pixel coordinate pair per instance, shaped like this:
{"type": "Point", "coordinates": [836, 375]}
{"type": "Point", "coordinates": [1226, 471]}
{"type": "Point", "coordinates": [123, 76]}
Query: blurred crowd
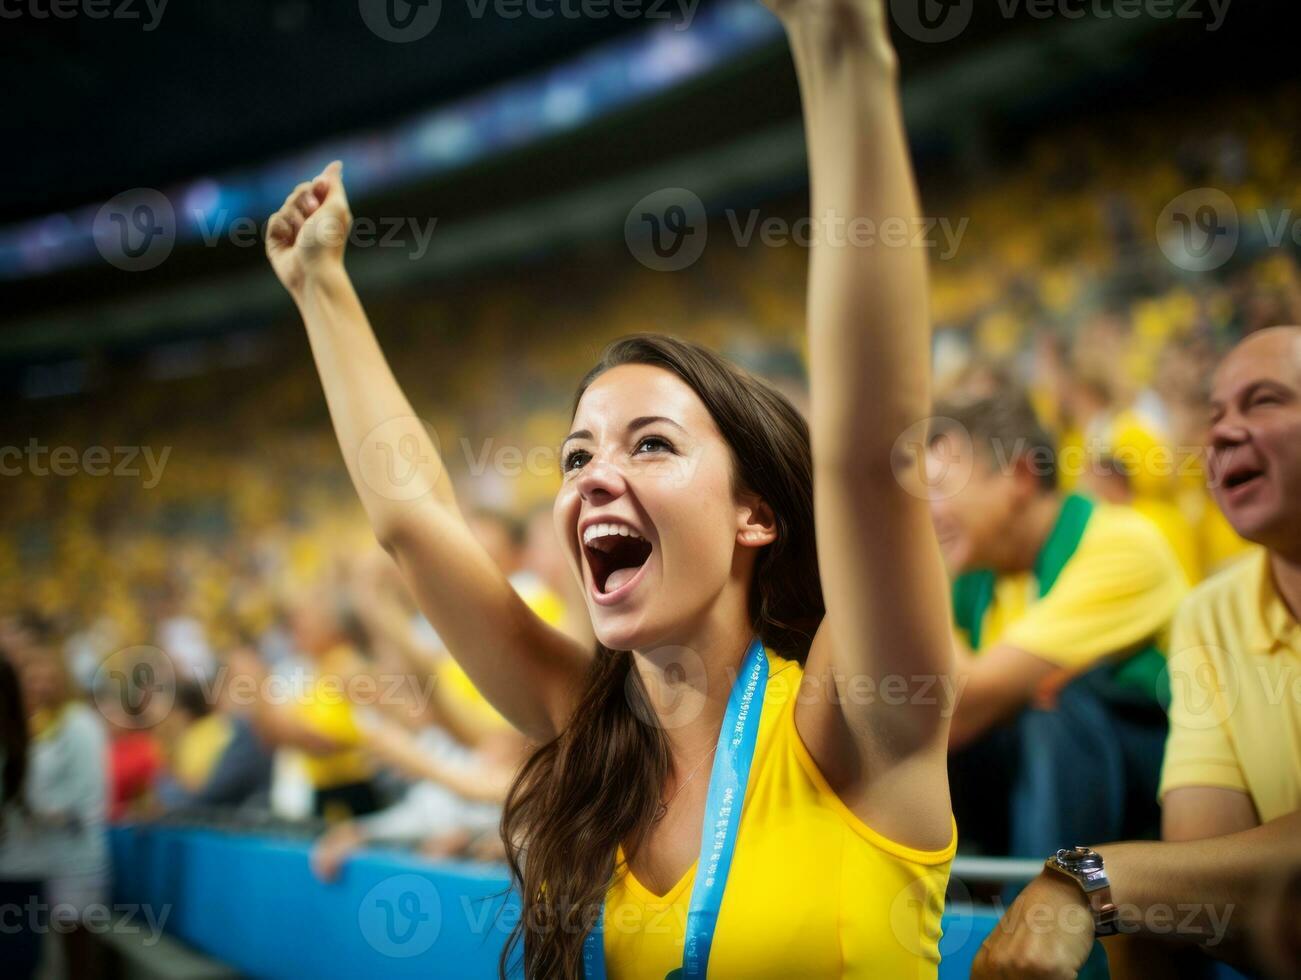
{"type": "Point", "coordinates": [218, 624]}
{"type": "Point", "coordinates": [343, 717]}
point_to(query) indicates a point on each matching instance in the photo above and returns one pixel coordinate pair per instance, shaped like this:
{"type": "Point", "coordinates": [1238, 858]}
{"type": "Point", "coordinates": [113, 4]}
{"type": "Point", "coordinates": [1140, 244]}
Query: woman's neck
{"type": "Point", "coordinates": [689, 685]}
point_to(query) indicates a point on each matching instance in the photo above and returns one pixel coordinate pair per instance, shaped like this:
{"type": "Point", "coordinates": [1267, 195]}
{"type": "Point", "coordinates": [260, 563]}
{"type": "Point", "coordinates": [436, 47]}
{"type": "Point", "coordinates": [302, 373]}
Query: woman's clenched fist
{"type": "Point", "coordinates": [306, 236]}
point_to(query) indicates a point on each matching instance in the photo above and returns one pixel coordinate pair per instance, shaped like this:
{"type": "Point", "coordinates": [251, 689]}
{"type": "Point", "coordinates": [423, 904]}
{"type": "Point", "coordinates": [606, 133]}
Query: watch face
{"type": "Point", "coordinates": [1079, 859]}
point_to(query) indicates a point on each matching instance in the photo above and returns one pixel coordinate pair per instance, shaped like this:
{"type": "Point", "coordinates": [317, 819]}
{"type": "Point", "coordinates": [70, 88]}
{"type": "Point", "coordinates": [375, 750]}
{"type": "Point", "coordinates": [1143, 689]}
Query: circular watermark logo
{"type": "Point", "coordinates": [932, 21]}
{"type": "Point", "coordinates": [1204, 687]}
{"type": "Point", "coordinates": [676, 694]}
{"type": "Point", "coordinates": [959, 914]}
{"type": "Point", "coordinates": [933, 458]}
{"type": "Point", "coordinates": [401, 21]}
{"type": "Point", "coordinates": [135, 687]}
{"type": "Point", "coordinates": [666, 231]}
{"type": "Point", "coordinates": [401, 916]}
{"type": "Point", "coordinates": [916, 902]}
{"type": "Point", "coordinates": [136, 230]}
{"type": "Point", "coordinates": [1199, 230]}
{"type": "Point", "coordinates": [396, 464]}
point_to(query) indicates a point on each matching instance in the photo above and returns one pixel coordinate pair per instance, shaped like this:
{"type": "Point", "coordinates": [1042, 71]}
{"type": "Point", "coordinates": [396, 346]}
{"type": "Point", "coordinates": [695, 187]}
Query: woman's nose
{"type": "Point", "coordinates": [600, 480]}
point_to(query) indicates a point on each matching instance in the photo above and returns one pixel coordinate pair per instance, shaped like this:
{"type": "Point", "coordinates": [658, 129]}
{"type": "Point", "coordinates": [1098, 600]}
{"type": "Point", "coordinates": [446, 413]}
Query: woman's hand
{"type": "Point", "coordinates": [306, 236]}
{"type": "Point", "coordinates": [1047, 933]}
{"type": "Point", "coordinates": [836, 24]}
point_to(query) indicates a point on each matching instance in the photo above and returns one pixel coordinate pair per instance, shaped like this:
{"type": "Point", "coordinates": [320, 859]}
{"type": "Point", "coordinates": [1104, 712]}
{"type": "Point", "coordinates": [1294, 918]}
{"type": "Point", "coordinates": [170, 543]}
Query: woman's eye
{"type": "Point", "coordinates": [574, 458]}
{"type": "Point", "coordinates": [654, 444]}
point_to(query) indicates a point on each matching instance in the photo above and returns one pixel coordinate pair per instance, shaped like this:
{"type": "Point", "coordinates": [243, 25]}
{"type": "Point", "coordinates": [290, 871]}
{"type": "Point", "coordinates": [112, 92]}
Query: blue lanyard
{"type": "Point", "coordinates": [727, 782]}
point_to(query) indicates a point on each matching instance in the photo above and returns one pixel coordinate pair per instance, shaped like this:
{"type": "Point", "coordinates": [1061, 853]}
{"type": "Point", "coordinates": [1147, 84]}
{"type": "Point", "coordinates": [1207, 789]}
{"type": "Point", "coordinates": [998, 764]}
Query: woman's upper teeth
{"type": "Point", "coordinates": [594, 531]}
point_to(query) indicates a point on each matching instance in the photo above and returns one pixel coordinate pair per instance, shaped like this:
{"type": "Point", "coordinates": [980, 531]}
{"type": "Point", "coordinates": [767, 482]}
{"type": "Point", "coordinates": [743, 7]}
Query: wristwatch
{"type": "Point", "coordinates": [1083, 866]}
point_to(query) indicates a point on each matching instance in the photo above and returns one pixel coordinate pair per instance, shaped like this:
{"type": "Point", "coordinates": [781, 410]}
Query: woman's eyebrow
{"type": "Point", "coordinates": [577, 434]}
{"type": "Point", "coordinates": [644, 420]}
{"type": "Point", "coordinates": [640, 422]}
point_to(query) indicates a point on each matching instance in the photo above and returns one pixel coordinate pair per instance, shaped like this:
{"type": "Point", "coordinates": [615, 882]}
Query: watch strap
{"type": "Point", "coordinates": [1097, 892]}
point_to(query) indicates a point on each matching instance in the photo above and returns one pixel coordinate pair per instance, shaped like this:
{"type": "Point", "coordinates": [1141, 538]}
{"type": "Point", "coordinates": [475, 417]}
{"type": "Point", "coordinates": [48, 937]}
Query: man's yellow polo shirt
{"type": "Point", "coordinates": [1116, 593]}
{"type": "Point", "coordinates": [1235, 677]}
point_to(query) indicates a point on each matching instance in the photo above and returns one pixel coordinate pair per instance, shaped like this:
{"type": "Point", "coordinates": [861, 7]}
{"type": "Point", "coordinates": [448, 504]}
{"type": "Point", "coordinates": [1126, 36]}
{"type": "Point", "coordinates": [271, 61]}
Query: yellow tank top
{"type": "Point", "coordinates": [813, 892]}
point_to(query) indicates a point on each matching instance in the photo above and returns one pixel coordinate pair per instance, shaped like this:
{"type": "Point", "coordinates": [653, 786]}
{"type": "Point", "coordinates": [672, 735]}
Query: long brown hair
{"type": "Point", "coordinates": [597, 783]}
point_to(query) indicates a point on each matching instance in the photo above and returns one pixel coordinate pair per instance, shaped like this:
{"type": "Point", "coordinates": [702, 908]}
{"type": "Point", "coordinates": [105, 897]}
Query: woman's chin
{"type": "Point", "coordinates": [616, 637]}
{"type": "Point", "coordinates": [620, 631]}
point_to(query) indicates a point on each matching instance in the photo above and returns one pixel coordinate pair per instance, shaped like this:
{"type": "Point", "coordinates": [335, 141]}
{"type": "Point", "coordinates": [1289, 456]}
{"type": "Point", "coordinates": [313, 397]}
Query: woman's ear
{"type": "Point", "coordinates": [756, 523]}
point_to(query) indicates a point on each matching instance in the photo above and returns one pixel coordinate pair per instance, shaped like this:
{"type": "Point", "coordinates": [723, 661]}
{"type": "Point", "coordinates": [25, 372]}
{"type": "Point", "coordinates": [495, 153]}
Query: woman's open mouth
{"type": "Point", "coordinates": [617, 555]}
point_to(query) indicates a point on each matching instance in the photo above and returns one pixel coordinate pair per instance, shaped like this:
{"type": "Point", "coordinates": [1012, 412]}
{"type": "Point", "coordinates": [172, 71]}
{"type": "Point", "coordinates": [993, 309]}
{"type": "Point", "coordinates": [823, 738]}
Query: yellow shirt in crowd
{"type": "Point", "coordinates": [1136, 443]}
{"type": "Point", "coordinates": [327, 711]}
{"type": "Point", "coordinates": [813, 890]}
{"type": "Point", "coordinates": [1116, 593]}
{"type": "Point", "coordinates": [1178, 532]}
{"type": "Point", "coordinates": [1153, 466]}
{"type": "Point", "coordinates": [1235, 678]}
{"type": "Point", "coordinates": [199, 748]}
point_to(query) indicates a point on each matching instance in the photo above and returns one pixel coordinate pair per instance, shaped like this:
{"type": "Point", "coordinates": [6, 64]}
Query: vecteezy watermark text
{"type": "Point", "coordinates": [123, 919]}
{"type": "Point", "coordinates": [405, 21]}
{"type": "Point", "coordinates": [137, 230]}
{"type": "Point", "coordinates": [150, 12]}
{"type": "Point", "coordinates": [937, 21]}
{"type": "Point", "coordinates": [392, 232]}
{"type": "Point", "coordinates": [667, 230]}
{"type": "Point", "coordinates": [42, 460]}
{"type": "Point", "coordinates": [858, 231]}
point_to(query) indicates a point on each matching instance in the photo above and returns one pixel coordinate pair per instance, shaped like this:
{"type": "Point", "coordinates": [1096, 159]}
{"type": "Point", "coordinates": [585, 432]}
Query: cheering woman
{"type": "Point", "coordinates": [747, 775]}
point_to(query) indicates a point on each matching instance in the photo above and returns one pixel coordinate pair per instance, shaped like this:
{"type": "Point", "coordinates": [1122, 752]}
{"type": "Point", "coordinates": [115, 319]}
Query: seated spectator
{"type": "Point", "coordinates": [319, 723]}
{"type": "Point", "coordinates": [1231, 784]}
{"type": "Point", "coordinates": [1234, 756]}
{"type": "Point", "coordinates": [453, 804]}
{"type": "Point", "coordinates": [341, 777]}
{"type": "Point", "coordinates": [215, 757]}
{"type": "Point", "coordinates": [54, 834]}
{"type": "Point", "coordinates": [1062, 605]}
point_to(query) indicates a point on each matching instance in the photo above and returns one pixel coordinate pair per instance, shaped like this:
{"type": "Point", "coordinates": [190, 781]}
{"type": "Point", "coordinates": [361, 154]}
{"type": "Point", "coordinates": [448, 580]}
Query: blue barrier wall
{"type": "Point", "coordinates": [253, 903]}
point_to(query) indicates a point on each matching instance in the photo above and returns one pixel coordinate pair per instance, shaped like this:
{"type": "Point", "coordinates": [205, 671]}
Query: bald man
{"type": "Point", "coordinates": [1233, 759]}
{"type": "Point", "coordinates": [1231, 784]}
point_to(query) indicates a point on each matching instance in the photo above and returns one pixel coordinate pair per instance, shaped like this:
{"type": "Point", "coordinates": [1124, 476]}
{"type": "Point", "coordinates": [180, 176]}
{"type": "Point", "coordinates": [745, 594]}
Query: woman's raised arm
{"type": "Point", "coordinates": [882, 655]}
{"type": "Point", "coordinates": [529, 671]}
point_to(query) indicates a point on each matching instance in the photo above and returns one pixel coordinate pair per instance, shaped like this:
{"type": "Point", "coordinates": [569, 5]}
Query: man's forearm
{"type": "Point", "coordinates": [1200, 891]}
{"type": "Point", "coordinates": [1203, 893]}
